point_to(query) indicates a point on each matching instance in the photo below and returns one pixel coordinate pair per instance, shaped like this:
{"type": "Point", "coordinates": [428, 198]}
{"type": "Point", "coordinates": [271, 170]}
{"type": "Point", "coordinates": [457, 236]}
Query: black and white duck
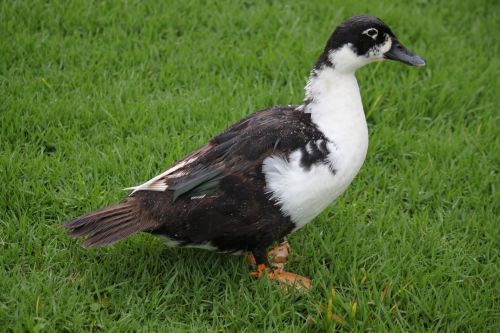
{"type": "Point", "coordinates": [269, 174]}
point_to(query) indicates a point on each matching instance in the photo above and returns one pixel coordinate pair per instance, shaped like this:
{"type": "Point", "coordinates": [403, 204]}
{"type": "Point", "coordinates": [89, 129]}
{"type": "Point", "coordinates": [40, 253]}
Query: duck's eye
{"type": "Point", "coordinates": [372, 32]}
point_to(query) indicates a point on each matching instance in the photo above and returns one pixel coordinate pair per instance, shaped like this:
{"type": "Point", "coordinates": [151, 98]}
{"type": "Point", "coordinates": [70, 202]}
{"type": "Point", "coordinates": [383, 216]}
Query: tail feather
{"type": "Point", "coordinates": [103, 224]}
{"type": "Point", "coordinates": [109, 225]}
{"type": "Point", "coordinates": [112, 235]}
{"type": "Point", "coordinates": [105, 212]}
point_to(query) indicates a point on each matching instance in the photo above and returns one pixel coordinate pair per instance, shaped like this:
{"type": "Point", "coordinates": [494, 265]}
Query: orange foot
{"type": "Point", "coordinates": [278, 258]}
{"type": "Point", "coordinates": [285, 279]}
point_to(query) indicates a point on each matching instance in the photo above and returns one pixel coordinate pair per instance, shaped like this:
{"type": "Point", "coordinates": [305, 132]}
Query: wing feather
{"type": "Point", "coordinates": [240, 149]}
{"type": "Point", "coordinates": [159, 183]}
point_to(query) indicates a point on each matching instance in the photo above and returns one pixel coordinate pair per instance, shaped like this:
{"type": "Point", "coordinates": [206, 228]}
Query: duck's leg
{"type": "Point", "coordinates": [274, 264]}
{"type": "Point", "coordinates": [277, 256]}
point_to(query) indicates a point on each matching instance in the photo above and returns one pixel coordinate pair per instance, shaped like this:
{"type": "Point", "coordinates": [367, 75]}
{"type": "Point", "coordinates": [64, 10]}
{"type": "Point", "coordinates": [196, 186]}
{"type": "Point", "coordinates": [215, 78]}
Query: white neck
{"type": "Point", "coordinates": [335, 103]}
{"type": "Point", "coordinates": [333, 100]}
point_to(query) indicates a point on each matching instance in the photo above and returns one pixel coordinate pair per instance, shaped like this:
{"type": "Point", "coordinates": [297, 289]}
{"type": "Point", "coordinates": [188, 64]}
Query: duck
{"type": "Point", "coordinates": [267, 175]}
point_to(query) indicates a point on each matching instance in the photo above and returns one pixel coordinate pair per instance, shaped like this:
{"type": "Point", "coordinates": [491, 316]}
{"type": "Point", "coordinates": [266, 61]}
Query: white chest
{"type": "Point", "coordinates": [338, 112]}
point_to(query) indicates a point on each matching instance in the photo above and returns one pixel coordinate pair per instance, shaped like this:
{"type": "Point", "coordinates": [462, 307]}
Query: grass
{"type": "Point", "coordinates": [104, 95]}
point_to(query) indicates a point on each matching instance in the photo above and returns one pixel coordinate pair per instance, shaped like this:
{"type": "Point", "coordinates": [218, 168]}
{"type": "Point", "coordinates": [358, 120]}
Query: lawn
{"type": "Point", "coordinates": [95, 97]}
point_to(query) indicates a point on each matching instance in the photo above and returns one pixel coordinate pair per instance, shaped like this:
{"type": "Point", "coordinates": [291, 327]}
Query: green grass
{"type": "Point", "coordinates": [95, 97]}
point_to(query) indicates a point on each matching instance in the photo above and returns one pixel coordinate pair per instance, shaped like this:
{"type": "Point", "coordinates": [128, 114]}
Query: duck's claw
{"type": "Point", "coordinates": [278, 258]}
{"type": "Point", "coordinates": [261, 269]}
{"type": "Point", "coordinates": [285, 279]}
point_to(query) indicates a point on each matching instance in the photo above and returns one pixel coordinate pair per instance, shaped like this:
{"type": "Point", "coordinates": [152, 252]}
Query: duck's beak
{"type": "Point", "coordinates": [399, 53]}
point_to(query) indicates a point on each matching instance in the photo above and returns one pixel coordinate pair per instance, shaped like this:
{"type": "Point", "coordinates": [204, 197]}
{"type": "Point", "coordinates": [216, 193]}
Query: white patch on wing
{"type": "Point", "coordinates": [205, 246]}
{"type": "Point", "coordinates": [300, 107]}
{"type": "Point", "coordinates": [180, 173]}
{"type": "Point", "coordinates": [175, 243]}
{"type": "Point", "coordinates": [158, 183]}
{"type": "Point", "coordinates": [169, 241]}
{"type": "Point", "coordinates": [309, 147]}
{"type": "Point", "coordinates": [301, 194]}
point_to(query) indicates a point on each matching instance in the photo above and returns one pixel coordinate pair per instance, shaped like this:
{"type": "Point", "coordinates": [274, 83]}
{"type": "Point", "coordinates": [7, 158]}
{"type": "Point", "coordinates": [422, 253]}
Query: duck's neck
{"type": "Point", "coordinates": [334, 102]}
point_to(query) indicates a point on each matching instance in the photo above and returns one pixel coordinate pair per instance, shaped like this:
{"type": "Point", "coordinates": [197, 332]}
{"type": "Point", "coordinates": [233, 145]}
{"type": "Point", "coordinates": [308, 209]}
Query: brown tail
{"type": "Point", "coordinates": [108, 225]}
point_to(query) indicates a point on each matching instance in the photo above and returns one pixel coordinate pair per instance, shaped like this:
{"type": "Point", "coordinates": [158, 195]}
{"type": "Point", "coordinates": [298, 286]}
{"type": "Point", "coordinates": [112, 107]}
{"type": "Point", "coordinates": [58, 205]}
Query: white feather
{"type": "Point", "coordinates": [175, 243]}
{"type": "Point", "coordinates": [158, 183]}
{"type": "Point", "coordinates": [337, 110]}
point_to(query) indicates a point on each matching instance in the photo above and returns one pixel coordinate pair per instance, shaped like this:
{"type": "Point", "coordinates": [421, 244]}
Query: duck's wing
{"type": "Point", "coordinates": [233, 158]}
{"type": "Point", "coordinates": [239, 150]}
{"type": "Point", "coordinates": [178, 169]}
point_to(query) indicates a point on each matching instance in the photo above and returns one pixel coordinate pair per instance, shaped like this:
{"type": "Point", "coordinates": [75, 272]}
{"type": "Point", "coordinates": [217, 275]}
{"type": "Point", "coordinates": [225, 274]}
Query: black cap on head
{"type": "Point", "coordinates": [369, 37]}
{"type": "Point", "coordinates": [351, 31]}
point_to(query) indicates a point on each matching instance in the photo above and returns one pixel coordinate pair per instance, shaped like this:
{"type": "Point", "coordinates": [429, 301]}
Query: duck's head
{"type": "Point", "coordinates": [361, 40]}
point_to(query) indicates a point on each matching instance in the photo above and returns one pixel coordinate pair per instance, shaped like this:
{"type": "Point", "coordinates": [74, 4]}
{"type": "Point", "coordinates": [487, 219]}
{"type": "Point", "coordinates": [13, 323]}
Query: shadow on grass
{"type": "Point", "coordinates": [145, 263]}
